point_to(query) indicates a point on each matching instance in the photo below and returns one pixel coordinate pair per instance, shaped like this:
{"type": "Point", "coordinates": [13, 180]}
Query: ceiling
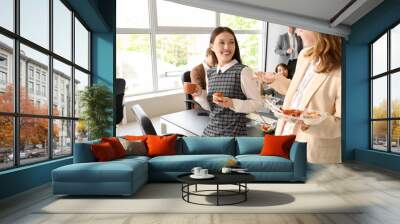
{"type": "Point", "coordinates": [320, 9]}
{"type": "Point", "coordinates": [328, 16]}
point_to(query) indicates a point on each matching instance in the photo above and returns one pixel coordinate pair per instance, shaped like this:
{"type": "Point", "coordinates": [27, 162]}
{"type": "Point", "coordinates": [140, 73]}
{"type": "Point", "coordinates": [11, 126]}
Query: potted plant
{"type": "Point", "coordinates": [96, 104]}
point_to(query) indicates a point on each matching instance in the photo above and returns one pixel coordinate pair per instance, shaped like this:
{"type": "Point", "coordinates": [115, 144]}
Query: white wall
{"type": "Point", "coordinates": [155, 105]}
{"type": "Point", "coordinates": [274, 30]}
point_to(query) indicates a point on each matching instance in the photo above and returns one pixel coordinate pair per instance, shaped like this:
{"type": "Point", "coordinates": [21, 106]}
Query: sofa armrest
{"type": "Point", "coordinates": [298, 155]}
{"type": "Point", "coordinates": [83, 152]}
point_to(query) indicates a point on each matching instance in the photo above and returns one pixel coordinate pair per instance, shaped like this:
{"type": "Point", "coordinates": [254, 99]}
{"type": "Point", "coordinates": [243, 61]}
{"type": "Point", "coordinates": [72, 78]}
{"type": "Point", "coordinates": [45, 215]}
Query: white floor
{"type": "Point", "coordinates": [377, 189]}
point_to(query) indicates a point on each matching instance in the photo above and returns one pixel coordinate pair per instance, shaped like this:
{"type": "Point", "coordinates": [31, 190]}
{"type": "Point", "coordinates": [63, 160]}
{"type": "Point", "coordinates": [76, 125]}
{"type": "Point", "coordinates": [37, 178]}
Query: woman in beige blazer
{"type": "Point", "coordinates": [316, 86]}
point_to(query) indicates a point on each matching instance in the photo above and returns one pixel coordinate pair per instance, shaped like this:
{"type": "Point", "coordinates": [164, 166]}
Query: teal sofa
{"type": "Point", "coordinates": [125, 176]}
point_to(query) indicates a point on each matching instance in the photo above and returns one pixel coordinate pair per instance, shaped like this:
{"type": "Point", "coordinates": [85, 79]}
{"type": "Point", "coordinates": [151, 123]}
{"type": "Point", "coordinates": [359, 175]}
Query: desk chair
{"type": "Point", "coordinates": [145, 123]}
{"type": "Point", "coordinates": [186, 78]}
{"type": "Point", "coordinates": [120, 92]}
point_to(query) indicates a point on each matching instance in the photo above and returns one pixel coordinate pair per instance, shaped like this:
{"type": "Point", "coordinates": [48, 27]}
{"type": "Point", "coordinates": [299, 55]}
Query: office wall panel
{"type": "Point", "coordinates": [356, 81]}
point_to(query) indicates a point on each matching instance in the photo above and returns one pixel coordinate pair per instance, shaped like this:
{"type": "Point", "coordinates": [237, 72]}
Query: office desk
{"type": "Point", "coordinates": [188, 123]}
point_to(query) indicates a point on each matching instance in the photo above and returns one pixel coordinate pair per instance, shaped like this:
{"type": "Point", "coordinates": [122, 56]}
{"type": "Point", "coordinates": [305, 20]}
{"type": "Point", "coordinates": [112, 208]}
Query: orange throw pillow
{"type": "Point", "coordinates": [103, 152]}
{"type": "Point", "coordinates": [161, 145]}
{"type": "Point", "coordinates": [277, 145]}
{"type": "Point", "coordinates": [136, 138]}
{"type": "Point", "coordinates": [116, 145]}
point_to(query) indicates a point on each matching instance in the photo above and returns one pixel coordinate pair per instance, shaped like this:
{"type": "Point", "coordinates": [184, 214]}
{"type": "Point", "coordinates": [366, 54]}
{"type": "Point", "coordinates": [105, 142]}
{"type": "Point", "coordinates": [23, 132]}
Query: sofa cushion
{"type": "Point", "coordinates": [103, 151]}
{"type": "Point", "coordinates": [161, 145]}
{"type": "Point", "coordinates": [116, 145]}
{"type": "Point", "coordinates": [112, 171]}
{"type": "Point", "coordinates": [136, 137]}
{"type": "Point", "coordinates": [277, 145]}
{"type": "Point", "coordinates": [206, 145]}
{"type": "Point", "coordinates": [133, 158]}
{"type": "Point", "coordinates": [249, 145]}
{"type": "Point", "coordinates": [257, 163]}
{"type": "Point", "coordinates": [134, 147]}
{"type": "Point", "coordinates": [185, 163]}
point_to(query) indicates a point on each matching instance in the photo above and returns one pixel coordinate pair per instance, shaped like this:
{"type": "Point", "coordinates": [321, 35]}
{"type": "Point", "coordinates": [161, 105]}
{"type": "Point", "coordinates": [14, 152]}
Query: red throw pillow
{"type": "Point", "coordinates": [116, 145]}
{"type": "Point", "coordinates": [277, 145]}
{"type": "Point", "coordinates": [161, 145]}
{"type": "Point", "coordinates": [103, 152]}
{"type": "Point", "coordinates": [136, 138]}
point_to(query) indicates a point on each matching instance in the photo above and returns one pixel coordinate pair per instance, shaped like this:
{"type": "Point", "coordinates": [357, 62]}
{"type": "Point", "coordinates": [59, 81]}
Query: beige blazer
{"type": "Point", "coordinates": [323, 94]}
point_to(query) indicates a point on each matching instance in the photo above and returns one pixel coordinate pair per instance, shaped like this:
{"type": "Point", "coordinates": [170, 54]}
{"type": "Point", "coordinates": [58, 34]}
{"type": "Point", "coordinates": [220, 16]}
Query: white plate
{"type": "Point", "coordinates": [208, 176]}
{"type": "Point", "coordinates": [314, 121]}
{"type": "Point", "coordinates": [270, 102]}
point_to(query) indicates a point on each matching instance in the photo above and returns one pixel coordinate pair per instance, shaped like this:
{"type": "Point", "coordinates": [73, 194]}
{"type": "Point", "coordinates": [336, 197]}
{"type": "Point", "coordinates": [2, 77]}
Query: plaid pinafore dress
{"type": "Point", "coordinates": [224, 121]}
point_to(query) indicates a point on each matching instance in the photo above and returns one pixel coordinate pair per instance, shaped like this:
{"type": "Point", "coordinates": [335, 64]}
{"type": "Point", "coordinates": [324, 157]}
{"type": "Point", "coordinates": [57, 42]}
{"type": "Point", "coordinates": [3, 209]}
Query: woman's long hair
{"type": "Point", "coordinates": [222, 29]}
{"type": "Point", "coordinates": [327, 51]}
{"type": "Point", "coordinates": [210, 52]}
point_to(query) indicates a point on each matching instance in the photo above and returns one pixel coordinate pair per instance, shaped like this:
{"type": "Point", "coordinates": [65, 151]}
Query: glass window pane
{"type": "Point", "coordinates": [35, 21]}
{"type": "Point", "coordinates": [62, 89]}
{"type": "Point", "coordinates": [379, 56]}
{"type": "Point", "coordinates": [177, 54]}
{"type": "Point", "coordinates": [81, 45]}
{"type": "Point", "coordinates": [132, 14]}
{"type": "Point", "coordinates": [379, 98]}
{"type": "Point", "coordinates": [173, 14]}
{"type": "Point", "coordinates": [250, 50]}
{"type": "Point", "coordinates": [6, 142]}
{"type": "Point", "coordinates": [395, 136]}
{"type": "Point", "coordinates": [34, 145]}
{"type": "Point", "coordinates": [62, 29]}
{"type": "Point", "coordinates": [34, 96]}
{"type": "Point", "coordinates": [81, 131]}
{"type": "Point", "coordinates": [7, 14]}
{"type": "Point", "coordinates": [81, 81]}
{"type": "Point", "coordinates": [395, 47]}
{"type": "Point", "coordinates": [379, 135]}
{"type": "Point", "coordinates": [395, 95]}
{"type": "Point", "coordinates": [6, 74]}
{"type": "Point", "coordinates": [62, 141]}
{"type": "Point", "coordinates": [240, 23]}
{"type": "Point", "coordinates": [134, 62]}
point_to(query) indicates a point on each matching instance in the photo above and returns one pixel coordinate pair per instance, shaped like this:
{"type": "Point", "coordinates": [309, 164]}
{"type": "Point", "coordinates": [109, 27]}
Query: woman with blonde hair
{"type": "Point", "coordinates": [316, 86]}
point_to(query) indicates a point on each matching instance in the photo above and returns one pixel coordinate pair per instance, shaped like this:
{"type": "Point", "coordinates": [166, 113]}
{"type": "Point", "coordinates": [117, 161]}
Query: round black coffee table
{"type": "Point", "coordinates": [238, 179]}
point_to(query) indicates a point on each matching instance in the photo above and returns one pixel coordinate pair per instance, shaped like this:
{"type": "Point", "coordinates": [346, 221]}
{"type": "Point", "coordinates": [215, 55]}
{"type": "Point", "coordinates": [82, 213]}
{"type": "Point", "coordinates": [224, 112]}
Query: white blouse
{"type": "Point", "coordinates": [249, 88]}
{"type": "Point", "coordinates": [288, 128]}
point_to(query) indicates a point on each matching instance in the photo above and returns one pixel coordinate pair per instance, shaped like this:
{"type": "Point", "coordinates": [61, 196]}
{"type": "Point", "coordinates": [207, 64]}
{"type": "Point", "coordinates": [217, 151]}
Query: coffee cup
{"type": "Point", "coordinates": [203, 172]}
{"type": "Point", "coordinates": [218, 97]}
{"type": "Point", "coordinates": [189, 88]}
{"type": "Point", "coordinates": [226, 170]}
{"type": "Point", "coordinates": [196, 171]}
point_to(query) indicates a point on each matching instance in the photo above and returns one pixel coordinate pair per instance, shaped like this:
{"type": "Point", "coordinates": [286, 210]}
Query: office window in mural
{"type": "Point", "coordinates": [385, 97]}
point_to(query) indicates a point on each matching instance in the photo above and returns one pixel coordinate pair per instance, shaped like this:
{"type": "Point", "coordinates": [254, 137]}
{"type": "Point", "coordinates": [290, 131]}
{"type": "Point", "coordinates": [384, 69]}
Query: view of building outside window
{"type": "Point", "coordinates": [34, 90]}
{"type": "Point", "coordinates": [6, 102]}
{"type": "Point", "coordinates": [34, 138]}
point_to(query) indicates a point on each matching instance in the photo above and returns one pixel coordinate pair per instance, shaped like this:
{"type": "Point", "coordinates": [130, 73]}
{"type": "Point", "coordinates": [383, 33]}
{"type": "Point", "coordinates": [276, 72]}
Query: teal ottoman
{"type": "Point", "coordinates": [118, 177]}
